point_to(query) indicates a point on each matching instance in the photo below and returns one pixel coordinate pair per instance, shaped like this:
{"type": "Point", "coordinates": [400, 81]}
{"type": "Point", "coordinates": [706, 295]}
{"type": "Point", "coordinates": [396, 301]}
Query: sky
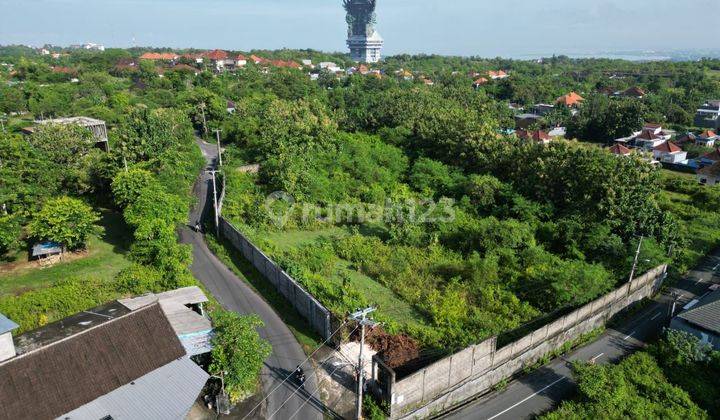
{"type": "Point", "coordinates": [488, 28]}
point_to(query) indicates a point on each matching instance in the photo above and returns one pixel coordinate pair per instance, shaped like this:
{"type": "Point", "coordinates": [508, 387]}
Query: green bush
{"type": "Point", "coordinates": [238, 352]}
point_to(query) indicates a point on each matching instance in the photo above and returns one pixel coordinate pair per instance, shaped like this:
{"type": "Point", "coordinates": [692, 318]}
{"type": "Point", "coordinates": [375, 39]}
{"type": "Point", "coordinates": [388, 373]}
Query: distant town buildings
{"type": "Point", "coordinates": [364, 42]}
{"type": "Point", "coordinates": [89, 46]}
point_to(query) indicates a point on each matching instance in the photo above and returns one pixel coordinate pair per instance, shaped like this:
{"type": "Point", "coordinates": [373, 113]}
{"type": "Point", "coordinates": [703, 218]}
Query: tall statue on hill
{"type": "Point", "coordinates": [364, 41]}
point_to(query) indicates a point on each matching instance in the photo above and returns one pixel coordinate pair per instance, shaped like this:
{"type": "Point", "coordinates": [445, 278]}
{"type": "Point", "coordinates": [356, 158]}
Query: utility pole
{"type": "Point", "coordinates": [202, 108]}
{"type": "Point", "coordinates": [217, 134]}
{"type": "Point", "coordinates": [217, 216]}
{"type": "Point", "coordinates": [361, 317]}
{"type": "Point", "coordinates": [637, 256]}
{"type": "Point", "coordinates": [675, 297]}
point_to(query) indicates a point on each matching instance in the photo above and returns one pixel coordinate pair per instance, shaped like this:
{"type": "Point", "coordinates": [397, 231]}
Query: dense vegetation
{"type": "Point", "coordinates": [534, 229]}
{"type": "Point", "coordinates": [407, 195]}
{"type": "Point", "coordinates": [674, 378]}
{"type": "Point", "coordinates": [54, 182]}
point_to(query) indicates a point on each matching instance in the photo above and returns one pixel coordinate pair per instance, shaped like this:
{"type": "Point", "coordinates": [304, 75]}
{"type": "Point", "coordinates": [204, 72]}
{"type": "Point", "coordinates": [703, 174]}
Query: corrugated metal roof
{"type": "Point", "coordinates": [706, 314]}
{"type": "Point", "coordinates": [166, 393]}
{"type": "Point", "coordinates": [193, 329]}
{"type": "Point", "coordinates": [6, 324]}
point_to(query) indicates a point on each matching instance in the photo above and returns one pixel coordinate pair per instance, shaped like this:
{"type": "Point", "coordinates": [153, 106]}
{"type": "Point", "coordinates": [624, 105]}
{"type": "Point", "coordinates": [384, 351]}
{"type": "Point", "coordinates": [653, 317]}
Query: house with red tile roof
{"type": "Point", "coordinates": [633, 92]}
{"type": "Point", "coordinates": [669, 152]}
{"type": "Point", "coordinates": [259, 60]}
{"type": "Point", "coordinates": [650, 137]}
{"type": "Point", "coordinates": [707, 138]}
{"type": "Point", "coordinates": [500, 74]}
{"type": "Point", "coordinates": [537, 136]}
{"type": "Point", "coordinates": [479, 82]}
{"type": "Point", "coordinates": [217, 55]}
{"type": "Point", "coordinates": [570, 100]}
{"type": "Point", "coordinates": [159, 56]}
{"type": "Point", "coordinates": [286, 64]}
{"type": "Point", "coordinates": [620, 150]}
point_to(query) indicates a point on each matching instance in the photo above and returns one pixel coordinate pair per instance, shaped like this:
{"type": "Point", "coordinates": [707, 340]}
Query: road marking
{"type": "Point", "coordinates": [520, 402]}
{"type": "Point", "coordinates": [655, 317]}
{"type": "Point", "coordinates": [597, 357]}
{"type": "Point", "coordinates": [716, 267]}
{"type": "Point", "coordinates": [629, 335]}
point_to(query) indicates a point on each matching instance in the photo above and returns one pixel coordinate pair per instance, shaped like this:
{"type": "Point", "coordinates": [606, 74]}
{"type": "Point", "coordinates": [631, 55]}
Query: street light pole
{"type": "Point", "coordinates": [217, 134]}
{"type": "Point", "coordinates": [361, 317]}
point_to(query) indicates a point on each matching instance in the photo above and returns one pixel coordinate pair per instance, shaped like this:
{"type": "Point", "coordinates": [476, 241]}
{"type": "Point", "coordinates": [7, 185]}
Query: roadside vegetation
{"type": "Point", "coordinates": [405, 194]}
{"type": "Point", "coordinates": [115, 214]}
{"type": "Point", "coordinates": [674, 378]}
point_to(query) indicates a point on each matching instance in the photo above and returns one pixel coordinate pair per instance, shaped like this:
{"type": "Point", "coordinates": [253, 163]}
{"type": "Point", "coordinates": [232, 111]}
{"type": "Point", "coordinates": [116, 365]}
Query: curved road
{"type": "Point", "coordinates": [236, 295]}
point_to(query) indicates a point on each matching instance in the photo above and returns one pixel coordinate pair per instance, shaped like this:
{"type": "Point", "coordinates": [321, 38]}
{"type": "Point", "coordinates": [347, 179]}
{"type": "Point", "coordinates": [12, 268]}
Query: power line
{"type": "Point", "coordinates": [298, 388]}
{"type": "Point", "coordinates": [290, 375]}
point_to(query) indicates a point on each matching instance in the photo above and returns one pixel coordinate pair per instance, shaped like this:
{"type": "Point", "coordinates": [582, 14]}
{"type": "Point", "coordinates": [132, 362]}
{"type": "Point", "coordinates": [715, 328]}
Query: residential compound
{"type": "Point", "coordinates": [708, 115]}
{"type": "Point", "coordinates": [128, 359]}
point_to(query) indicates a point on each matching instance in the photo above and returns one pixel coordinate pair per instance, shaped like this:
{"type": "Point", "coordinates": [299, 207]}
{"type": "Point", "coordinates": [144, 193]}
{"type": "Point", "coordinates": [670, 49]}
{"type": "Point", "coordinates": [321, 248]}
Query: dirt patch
{"type": "Point", "coordinates": [14, 267]}
{"type": "Point", "coordinates": [396, 350]}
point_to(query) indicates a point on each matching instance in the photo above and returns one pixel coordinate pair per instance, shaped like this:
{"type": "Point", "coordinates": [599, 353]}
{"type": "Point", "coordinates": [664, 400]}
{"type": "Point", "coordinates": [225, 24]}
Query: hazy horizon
{"type": "Point", "coordinates": [514, 28]}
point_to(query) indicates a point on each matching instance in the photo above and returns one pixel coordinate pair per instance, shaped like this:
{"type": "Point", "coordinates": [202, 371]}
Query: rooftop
{"type": "Point", "coordinates": [77, 362]}
{"type": "Point", "coordinates": [668, 147]}
{"type": "Point", "coordinates": [84, 121]}
{"type": "Point", "coordinates": [712, 170]}
{"type": "Point", "coordinates": [6, 325]}
{"type": "Point", "coordinates": [67, 327]}
{"type": "Point", "coordinates": [706, 314]}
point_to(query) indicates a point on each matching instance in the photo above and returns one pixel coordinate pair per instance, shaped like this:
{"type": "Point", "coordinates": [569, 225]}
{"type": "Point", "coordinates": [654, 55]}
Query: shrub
{"type": "Point", "coordinates": [238, 352]}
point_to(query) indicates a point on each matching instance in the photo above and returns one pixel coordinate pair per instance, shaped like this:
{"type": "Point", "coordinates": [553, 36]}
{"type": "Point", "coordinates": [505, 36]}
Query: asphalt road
{"type": "Point", "coordinates": [544, 388]}
{"type": "Point", "coordinates": [285, 400]}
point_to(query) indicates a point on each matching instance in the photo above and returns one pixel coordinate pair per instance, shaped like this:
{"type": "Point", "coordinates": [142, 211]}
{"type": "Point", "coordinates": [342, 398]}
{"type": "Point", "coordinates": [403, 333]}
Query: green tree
{"type": "Point", "coordinates": [238, 352]}
{"type": "Point", "coordinates": [127, 187]}
{"type": "Point", "coordinates": [10, 231]}
{"type": "Point", "coordinates": [67, 221]}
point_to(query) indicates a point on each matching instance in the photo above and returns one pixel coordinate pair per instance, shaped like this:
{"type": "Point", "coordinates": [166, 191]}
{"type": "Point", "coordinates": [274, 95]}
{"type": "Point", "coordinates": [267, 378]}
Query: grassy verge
{"type": "Point", "coordinates": [104, 258]}
{"type": "Point", "coordinates": [390, 306]}
{"type": "Point", "coordinates": [307, 338]}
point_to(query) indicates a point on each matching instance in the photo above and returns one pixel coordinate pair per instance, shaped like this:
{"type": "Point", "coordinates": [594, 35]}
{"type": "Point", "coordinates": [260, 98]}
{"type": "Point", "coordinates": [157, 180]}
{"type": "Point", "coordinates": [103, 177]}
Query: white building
{"type": "Point", "coordinates": [669, 152]}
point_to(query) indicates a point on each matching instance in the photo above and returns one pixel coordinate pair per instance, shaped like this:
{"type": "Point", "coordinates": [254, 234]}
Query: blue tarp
{"type": "Point", "coordinates": [46, 248]}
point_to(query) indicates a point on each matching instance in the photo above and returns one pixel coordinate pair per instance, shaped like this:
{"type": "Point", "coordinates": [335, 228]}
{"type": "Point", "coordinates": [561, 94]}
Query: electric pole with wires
{"type": "Point", "coordinates": [361, 317]}
{"type": "Point", "coordinates": [219, 149]}
{"type": "Point", "coordinates": [215, 204]}
{"type": "Point", "coordinates": [637, 257]}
